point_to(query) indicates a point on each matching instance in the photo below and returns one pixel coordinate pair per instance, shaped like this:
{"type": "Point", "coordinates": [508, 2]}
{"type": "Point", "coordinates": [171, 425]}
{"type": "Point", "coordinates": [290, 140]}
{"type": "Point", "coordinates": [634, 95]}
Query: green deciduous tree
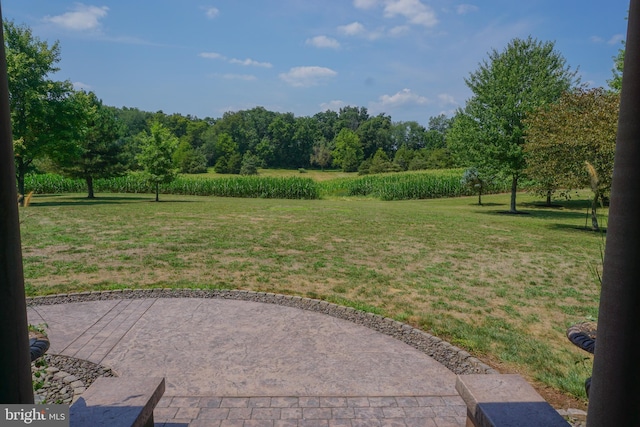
{"type": "Point", "coordinates": [375, 134]}
{"type": "Point", "coordinates": [156, 157]}
{"type": "Point", "coordinates": [320, 155]}
{"type": "Point", "coordinates": [97, 152]}
{"type": "Point", "coordinates": [436, 134]}
{"type": "Point", "coordinates": [412, 134]}
{"type": "Point", "coordinates": [351, 118]}
{"type": "Point", "coordinates": [581, 127]}
{"type": "Point", "coordinates": [40, 118]}
{"type": "Point", "coordinates": [616, 82]}
{"type": "Point", "coordinates": [228, 159]}
{"type": "Point", "coordinates": [380, 163]}
{"type": "Point", "coordinates": [189, 159]}
{"type": "Point", "coordinates": [348, 153]}
{"type": "Point", "coordinates": [489, 132]}
{"type": "Point", "coordinates": [403, 157]}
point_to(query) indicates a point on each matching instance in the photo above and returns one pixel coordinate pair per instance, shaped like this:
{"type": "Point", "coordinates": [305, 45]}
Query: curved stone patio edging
{"type": "Point", "coordinates": [452, 357]}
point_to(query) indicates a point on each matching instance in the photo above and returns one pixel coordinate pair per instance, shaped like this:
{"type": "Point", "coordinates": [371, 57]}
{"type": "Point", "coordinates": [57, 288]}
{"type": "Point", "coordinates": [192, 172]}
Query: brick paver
{"type": "Point", "coordinates": [311, 411]}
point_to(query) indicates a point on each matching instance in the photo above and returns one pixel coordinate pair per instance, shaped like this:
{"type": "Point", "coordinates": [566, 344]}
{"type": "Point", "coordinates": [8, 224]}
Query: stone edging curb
{"type": "Point", "coordinates": [455, 359]}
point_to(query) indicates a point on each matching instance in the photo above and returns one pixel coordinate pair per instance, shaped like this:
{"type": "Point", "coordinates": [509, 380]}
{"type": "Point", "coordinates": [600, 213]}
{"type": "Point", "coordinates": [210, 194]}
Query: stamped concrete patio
{"type": "Point", "coordinates": [243, 363]}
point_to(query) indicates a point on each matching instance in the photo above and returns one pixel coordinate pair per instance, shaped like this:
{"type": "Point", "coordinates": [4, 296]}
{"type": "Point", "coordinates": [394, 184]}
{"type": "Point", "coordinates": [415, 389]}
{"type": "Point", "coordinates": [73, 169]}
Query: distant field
{"type": "Point", "coordinates": [315, 174]}
{"type": "Point", "coordinates": [279, 184]}
{"type": "Point", "coordinates": [504, 287]}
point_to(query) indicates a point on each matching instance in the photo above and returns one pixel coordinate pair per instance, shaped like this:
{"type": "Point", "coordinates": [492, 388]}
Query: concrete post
{"type": "Point", "coordinates": [15, 361]}
{"type": "Point", "coordinates": [615, 388]}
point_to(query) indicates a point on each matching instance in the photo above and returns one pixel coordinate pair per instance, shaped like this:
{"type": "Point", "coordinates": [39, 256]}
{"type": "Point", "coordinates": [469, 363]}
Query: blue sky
{"type": "Point", "coordinates": [405, 58]}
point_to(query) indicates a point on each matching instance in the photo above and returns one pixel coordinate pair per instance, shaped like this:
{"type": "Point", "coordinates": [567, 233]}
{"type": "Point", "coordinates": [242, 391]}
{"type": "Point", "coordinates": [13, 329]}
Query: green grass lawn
{"type": "Point", "coordinates": [504, 287]}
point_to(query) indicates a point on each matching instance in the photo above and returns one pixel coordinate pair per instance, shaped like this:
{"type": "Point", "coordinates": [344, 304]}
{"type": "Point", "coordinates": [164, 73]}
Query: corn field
{"type": "Point", "coordinates": [241, 186]}
{"type": "Point", "coordinates": [404, 186]}
{"type": "Point", "coordinates": [396, 186]}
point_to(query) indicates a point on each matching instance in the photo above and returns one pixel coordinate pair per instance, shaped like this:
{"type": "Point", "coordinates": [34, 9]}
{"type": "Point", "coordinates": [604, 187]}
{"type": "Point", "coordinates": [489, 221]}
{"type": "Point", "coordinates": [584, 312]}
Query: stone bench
{"type": "Point", "coordinates": [505, 401]}
{"type": "Point", "coordinates": [117, 402]}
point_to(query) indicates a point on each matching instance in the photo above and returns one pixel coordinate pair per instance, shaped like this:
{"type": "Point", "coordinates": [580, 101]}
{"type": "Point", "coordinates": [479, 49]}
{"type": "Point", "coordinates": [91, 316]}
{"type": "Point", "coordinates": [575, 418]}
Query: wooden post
{"type": "Point", "coordinates": [15, 361]}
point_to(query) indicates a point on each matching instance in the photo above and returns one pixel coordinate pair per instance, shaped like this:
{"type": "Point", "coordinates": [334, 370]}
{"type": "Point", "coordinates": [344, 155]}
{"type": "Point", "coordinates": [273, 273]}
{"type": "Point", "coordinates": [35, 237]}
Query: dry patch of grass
{"type": "Point", "coordinates": [504, 287]}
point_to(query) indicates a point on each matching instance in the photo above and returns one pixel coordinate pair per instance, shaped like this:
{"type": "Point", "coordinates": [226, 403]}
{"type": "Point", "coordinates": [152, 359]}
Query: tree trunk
{"type": "Point", "coordinates": [157, 191]}
{"type": "Point", "coordinates": [15, 362]}
{"type": "Point", "coordinates": [548, 198]}
{"type": "Point", "coordinates": [90, 188]}
{"type": "Point", "coordinates": [514, 190]}
{"type": "Point", "coordinates": [480, 195]}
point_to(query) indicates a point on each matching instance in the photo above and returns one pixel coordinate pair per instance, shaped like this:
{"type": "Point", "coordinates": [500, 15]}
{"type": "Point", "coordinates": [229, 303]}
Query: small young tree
{"type": "Point", "coordinates": [380, 162]}
{"type": "Point", "coordinates": [250, 164]}
{"type": "Point", "coordinates": [472, 178]}
{"type": "Point", "coordinates": [156, 157]}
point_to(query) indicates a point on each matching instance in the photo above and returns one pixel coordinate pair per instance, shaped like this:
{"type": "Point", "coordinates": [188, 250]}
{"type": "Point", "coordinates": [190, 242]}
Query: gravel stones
{"type": "Point", "coordinates": [63, 379]}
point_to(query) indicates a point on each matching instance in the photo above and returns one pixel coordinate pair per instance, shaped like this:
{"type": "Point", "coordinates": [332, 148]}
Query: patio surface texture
{"type": "Point", "coordinates": [243, 363]}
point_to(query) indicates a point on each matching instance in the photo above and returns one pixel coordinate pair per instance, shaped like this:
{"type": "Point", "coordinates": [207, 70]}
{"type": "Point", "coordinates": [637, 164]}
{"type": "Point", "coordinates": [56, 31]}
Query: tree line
{"type": "Point", "coordinates": [59, 129]}
{"type": "Point", "coordinates": [343, 139]}
{"type": "Point", "coordinates": [529, 117]}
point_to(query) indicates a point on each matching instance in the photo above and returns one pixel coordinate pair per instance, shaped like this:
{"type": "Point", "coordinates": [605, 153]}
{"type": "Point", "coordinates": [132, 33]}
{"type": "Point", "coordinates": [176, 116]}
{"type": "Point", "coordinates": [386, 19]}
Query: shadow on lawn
{"type": "Point", "coordinates": [543, 212]}
{"type": "Point", "coordinates": [573, 204]}
{"type": "Point", "coordinates": [573, 227]}
{"type": "Point", "coordinates": [487, 204]}
{"type": "Point", "coordinates": [84, 201]}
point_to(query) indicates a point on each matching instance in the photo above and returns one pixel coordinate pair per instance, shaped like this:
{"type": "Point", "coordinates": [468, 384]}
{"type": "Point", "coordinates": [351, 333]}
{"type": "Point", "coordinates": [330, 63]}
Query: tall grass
{"type": "Point", "coordinates": [240, 186]}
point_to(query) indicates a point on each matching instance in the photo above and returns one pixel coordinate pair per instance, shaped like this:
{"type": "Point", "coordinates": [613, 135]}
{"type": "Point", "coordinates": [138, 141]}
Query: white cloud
{"type": "Point", "coordinates": [324, 42]}
{"type": "Point", "coordinates": [307, 76]}
{"type": "Point", "coordinates": [212, 12]}
{"type": "Point", "coordinates": [616, 39]}
{"type": "Point", "coordinates": [399, 30]}
{"type": "Point", "coordinates": [446, 99]}
{"type": "Point", "coordinates": [414, 10]}
{"type": "Point", "coordinates": [334, 105]}
{"type": "Point", "coordinates": [212, 55]}
{"type": "Point", "coordinates": [353, 29]}
{"type": "Point", "coordinates": [250, 63]}
{"type": "Point", "coordinates": [357, 29]}
{"type": "Point", "coordinates": [463, 9]}
{"type": "Point", "coordinates": [246, 62]}
{"type": "Point", "coordinates": [82, 18]}
{"type": "Point", "coordinates": [403, 98]}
